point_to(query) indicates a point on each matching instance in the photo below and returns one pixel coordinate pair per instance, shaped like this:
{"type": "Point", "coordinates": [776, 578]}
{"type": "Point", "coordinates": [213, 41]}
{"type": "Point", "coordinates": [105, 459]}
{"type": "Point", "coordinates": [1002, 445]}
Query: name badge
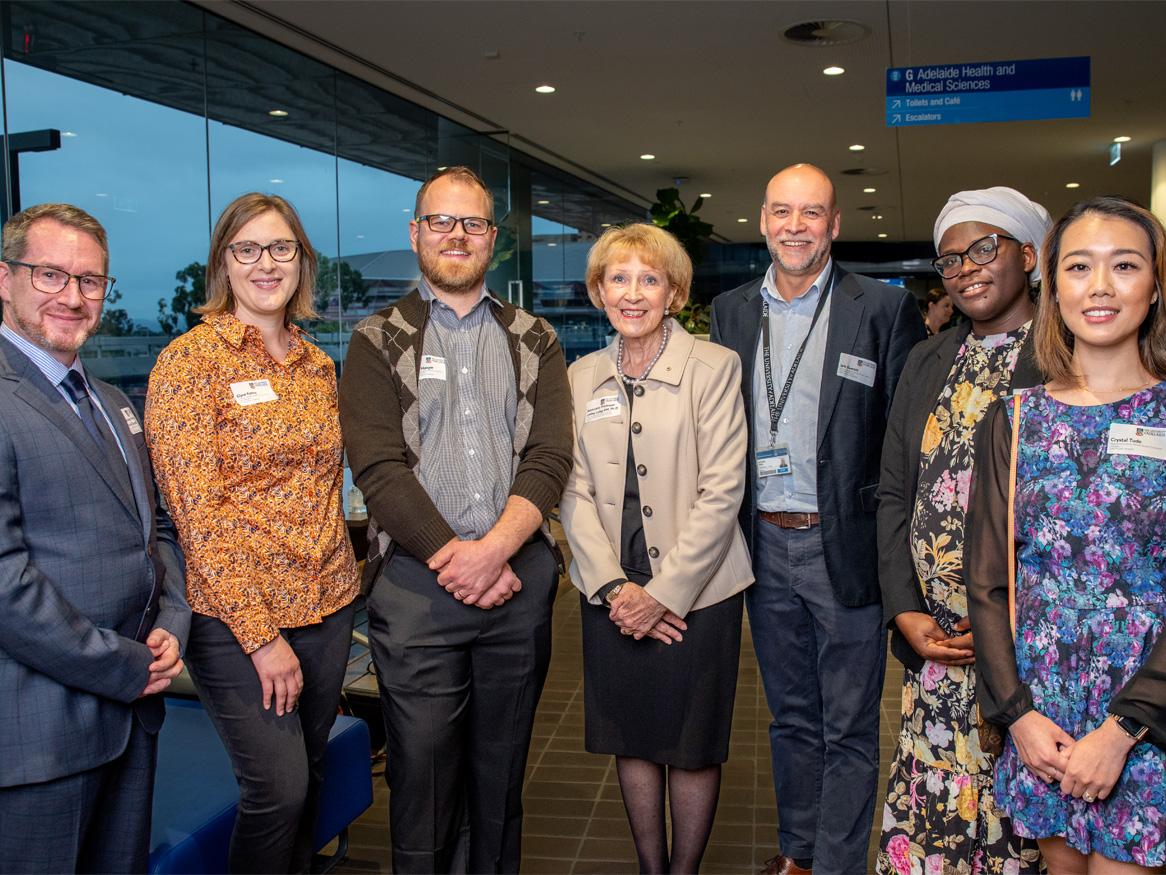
{"type": "Point", "coordinates": [432, 368]}
{"type": "Point", "coordinates": [1137, 440]}
{"type": "Point", "coordinates": [135, 427]}
{"type": "Point", "coordinates": [604, 407]}
{"type": "Point", "coordinates": [253, 392]}
{"type": "Point", "coordinates": [851, 367]}
{"type": "Point", "coordinates": [773, 462]}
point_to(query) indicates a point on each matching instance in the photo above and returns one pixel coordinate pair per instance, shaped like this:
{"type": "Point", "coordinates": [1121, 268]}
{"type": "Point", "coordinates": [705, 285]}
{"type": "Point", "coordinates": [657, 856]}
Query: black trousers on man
{"type": "Point", "coordinates": [459, 686]}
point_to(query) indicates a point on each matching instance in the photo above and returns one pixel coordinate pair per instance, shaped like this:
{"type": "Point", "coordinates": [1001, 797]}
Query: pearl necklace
{"type": "Point", "coordinates": [651, 364]}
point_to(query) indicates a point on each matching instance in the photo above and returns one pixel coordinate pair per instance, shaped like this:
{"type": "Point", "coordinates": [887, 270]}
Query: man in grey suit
{"type": "Point", "coordinates": [821, 352]}
{"type": "Point", "coordinates": [93, 612]}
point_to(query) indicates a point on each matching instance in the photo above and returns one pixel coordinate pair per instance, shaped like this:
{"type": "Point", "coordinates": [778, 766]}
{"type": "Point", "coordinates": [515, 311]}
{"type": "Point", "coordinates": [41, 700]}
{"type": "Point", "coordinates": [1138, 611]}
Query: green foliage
{"type": "Point", "coordinates": [188, 294]}
{"type": "Point", "coordinates": [115, 321]}
{"type": "Point", "coordinates": [670, 214]}
{"type": "Point", "coordinates": [338, 278]}
{"type": "Point", "coordinates": [505, 244]}
{"type": "Point", "coordinates": [695, 317]}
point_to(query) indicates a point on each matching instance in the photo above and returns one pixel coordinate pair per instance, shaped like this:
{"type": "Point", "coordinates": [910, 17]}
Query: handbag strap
{"type": "Point", "coordinates": [1012, 514]}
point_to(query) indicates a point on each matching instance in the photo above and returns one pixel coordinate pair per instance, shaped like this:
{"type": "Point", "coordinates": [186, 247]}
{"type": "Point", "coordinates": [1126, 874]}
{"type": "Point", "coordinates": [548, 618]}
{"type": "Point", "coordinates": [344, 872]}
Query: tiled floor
{"type": "Point", "coordinates": [574, 818]}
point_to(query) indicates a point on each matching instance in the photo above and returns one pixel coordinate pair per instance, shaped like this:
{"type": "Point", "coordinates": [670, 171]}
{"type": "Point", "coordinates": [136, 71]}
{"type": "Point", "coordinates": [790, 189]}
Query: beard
{"type": "Point", "coordinates": [452, 276]}
{"type": "Point", "coordinates": [60, 343]}
{"type": "Point", "coordinates": [794, 263]}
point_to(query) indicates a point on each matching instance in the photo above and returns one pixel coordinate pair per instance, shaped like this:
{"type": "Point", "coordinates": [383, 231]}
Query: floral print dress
{"type": "Point", "coordinates": [1090, 609]}
{"type": "Point", "coordinates": [939, 815]}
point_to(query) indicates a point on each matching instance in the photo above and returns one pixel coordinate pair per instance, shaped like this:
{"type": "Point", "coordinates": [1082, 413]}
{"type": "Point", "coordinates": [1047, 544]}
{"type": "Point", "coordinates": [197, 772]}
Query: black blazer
{"type": "Point", "coordinates": [868, 319]}
{"type": "Point", "coordinates": [924, 377]}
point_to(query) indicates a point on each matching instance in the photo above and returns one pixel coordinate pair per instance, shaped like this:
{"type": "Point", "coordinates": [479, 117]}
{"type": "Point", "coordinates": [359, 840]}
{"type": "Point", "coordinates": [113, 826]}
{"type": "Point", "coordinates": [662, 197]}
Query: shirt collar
{"type": "Point", "coordinates": [427, 294]}
{"type": "Point", "coordinates": [810, 295]}
{"type": "Point", "coordinates": [233, 330]}
{"type": "Point", "coordinates": [53, 370]}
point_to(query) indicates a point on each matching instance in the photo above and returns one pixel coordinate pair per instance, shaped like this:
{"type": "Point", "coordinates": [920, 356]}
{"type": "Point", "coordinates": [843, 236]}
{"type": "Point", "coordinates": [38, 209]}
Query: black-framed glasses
{"type": "Point", "coordinates": [249, 252]}
{"type": "Point", "coordinates": [53, 280]}
{"type": "Point", "coordinates": [443, 224]}
{"type": "Point", "coordinates": [983, 251]}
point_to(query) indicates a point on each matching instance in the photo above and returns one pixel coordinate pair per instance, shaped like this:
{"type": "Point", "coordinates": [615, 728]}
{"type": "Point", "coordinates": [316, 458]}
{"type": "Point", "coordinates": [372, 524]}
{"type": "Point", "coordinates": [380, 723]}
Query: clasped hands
{"type": "Point", "coordinates": [1086, 769]}
{"type": "Point", "coordinates": [930, 641]}
{"type": "Point", "coordinates": [475, 572]}
{"type": "Point", "coordinates": [638, 614]}
{"type": "Point", "coordinates": [167, 663]}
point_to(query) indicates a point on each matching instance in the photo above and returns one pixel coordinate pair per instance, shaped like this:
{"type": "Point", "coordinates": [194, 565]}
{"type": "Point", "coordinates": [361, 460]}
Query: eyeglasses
{"type": "Point", "coordinates": [53, 280]}
{"type": "Point", "coordinates": [983, 251]}
{"type": "Point", "coordinates": [474, 225]}
{"type": "Point", "coordinates": [247, 252]}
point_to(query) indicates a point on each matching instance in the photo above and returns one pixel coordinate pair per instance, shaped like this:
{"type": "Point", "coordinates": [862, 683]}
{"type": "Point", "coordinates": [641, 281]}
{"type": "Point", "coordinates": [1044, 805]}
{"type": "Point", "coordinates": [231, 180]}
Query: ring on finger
{"type": "Point", "coordinates": [1089, 797]}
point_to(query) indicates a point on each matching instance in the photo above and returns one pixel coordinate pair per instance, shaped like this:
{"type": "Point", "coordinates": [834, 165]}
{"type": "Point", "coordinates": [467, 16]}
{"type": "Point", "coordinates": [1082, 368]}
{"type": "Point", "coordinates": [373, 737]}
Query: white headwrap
{"type": "Point", "coordinates": [1004, 207]}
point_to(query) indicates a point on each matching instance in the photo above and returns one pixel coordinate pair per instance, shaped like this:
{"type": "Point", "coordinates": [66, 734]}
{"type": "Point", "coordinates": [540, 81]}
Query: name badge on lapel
{"type": "Point", "coordinates": [604, 407]}
{"type": "Point", "coordinates": [852, 367]}
{"type": "Point", "coordinates": [251, 392]}
{"type": "Point", "coordinates": [135, 427]}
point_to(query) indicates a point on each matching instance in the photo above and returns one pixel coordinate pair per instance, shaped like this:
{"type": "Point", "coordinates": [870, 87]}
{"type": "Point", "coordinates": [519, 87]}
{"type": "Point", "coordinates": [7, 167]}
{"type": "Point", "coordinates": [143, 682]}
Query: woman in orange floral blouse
{"type": "Point", "coordinates": [243, 429]}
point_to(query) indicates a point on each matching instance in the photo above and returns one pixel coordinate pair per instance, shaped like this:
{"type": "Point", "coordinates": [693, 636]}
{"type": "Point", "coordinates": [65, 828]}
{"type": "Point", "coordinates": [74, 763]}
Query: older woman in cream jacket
{"type": "Point", "coordinates": [650, 513]}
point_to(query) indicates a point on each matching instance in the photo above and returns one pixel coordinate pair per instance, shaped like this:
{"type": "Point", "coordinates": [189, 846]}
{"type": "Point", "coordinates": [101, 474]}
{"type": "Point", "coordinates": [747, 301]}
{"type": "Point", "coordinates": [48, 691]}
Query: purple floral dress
{"type": "Point", "coordinates": [1091, 603]}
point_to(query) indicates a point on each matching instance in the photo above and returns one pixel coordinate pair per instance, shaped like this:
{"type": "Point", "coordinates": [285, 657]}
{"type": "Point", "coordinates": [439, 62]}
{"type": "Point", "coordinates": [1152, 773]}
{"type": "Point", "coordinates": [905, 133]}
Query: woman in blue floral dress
{"type": "Point", "coordinates": [1082, 684]}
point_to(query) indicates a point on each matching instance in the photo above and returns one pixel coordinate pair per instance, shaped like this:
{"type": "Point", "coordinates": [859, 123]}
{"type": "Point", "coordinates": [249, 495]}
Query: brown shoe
{"type": "Point", "coordinates": [783, 865]}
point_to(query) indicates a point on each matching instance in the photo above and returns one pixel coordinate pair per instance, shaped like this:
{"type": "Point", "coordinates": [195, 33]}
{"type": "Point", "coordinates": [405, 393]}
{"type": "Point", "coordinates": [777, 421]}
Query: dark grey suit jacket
{"type": "Point", "coordinates": [87, 569]}
{"type": "Point", "coordinates": [924, 377]}
{"type": "Point", "coordinates": [868, 319]}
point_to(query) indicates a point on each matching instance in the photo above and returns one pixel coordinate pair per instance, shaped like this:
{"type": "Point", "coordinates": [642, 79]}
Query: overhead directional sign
{"type": "Point", "coordinates": [988, 91]}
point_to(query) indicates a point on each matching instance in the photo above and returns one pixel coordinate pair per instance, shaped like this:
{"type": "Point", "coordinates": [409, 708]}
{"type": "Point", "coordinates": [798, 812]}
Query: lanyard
{"type": "Point", "coordinates": [776, 406]}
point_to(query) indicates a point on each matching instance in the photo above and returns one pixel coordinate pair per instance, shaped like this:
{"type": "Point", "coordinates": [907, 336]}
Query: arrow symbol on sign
{"type": "Point", "coordinates": [895, 118]}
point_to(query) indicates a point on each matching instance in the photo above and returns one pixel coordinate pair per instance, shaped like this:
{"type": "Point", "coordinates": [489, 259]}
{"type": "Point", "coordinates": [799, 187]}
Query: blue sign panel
{"type": "Point", "coordinates": [988, 91]}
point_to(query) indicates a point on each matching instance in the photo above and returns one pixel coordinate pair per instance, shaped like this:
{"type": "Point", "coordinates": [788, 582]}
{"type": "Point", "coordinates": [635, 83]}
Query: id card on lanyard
{"type": "Point", "coordinates": [775, 461]}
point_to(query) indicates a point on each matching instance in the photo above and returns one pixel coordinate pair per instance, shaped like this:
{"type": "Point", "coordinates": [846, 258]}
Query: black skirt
{"type": "Point", "coordinates": [670, 704]}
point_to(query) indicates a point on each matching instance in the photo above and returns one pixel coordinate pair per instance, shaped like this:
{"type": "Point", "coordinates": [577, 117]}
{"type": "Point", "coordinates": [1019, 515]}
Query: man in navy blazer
{"type": "Point", "coordinates": [821, 351]}
{"type": "Point", "coordinates": [93, 613]}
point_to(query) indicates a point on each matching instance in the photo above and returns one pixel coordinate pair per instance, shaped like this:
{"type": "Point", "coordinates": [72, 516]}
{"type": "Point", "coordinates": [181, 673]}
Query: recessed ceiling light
{"type": "Point", "coordinates": [857, 147]}
{"type": "Point", "coordinates": [406, 210]}
{"type": "Point", "coordinates": [647, 156]}
{"type": "Point", "coordinates": [742, 220]}
{"type": "Point", "coordinates": [1072, 185]}
{"type": "Point", "coordinates": [705, 194]}
{"type": "Point", "coordinates": [834, 71]}
{"type": "Point", "coordinates": [439, 169]}
{"type": "Point", "coordinates": [103, 194]}
{"type": "Point", "coordinates": [359, 236]}
{"type": "Point", "coordinates": [543, 203]}
{"type": "Point", "coordinates": [882, 236]}
{"type": "Point", "coordinates": [73, 134]}
{"type": "Point", "coordinates": [869, 190]}
{"type": "Point", "coordinates": [552, 244]}
{"type": "Point", "coordinates": [277, 113]}
{"type": "Point", "coordinates": [545, 89]}
{"type": "Point", "coordinates": [605, 224]}
{"type": "Point", "coordinates": [1121, 139]}
{"type": "Point", "coordinates": [876, 217]}
{"type": "Point", "coordinates": [276, 181]}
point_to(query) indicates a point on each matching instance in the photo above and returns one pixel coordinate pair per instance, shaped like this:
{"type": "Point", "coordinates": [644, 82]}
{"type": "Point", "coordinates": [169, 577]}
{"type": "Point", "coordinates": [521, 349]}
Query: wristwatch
{"type": "Point", "coordinates": [1130, 727]}
{"type": "Point", "coordinates": [610, 595]}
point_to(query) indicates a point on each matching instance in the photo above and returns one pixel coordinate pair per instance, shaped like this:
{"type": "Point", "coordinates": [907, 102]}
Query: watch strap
{"type": "Point", "coordinates": [1131, 727]}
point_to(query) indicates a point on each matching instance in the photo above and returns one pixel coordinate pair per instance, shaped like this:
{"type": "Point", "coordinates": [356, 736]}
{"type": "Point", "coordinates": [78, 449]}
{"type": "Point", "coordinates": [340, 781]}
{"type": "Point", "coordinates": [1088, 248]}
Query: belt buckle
{"type": "Point", "coordinates": [805, 524]}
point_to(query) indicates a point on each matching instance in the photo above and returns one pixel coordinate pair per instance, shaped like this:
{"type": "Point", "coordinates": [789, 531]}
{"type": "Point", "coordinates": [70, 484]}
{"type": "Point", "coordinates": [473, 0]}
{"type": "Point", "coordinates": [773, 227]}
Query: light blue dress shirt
{"type": "Point", "coordinates": [798, 429]}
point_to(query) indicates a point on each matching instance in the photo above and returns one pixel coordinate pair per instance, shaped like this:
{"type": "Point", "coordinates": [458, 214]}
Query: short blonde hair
{"type": "Point", "coordinates": [240, 211]}
{"type": "Point", "coordinates": [16, 229]}
{"type": "Point", "coordinates": [653, 245]}
{"type": "Point", "coordinates": [1053, 342]}
{"type": "Point", "coordinates": [463, 175]}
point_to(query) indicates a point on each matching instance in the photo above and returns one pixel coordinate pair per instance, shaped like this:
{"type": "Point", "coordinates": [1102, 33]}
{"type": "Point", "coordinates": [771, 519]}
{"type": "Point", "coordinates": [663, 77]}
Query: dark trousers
{"type": "Point", "coordinates": [459, 686]}
{"type": "Point", "coordinates": [94, 821]}
{"type": "Point", "coordinates": [278, 761]}
{"type": "Point", "coordinates": [822, 667]}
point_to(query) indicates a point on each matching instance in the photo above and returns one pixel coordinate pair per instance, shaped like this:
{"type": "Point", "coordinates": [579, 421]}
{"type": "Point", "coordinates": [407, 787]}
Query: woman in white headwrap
{"type": "Point", "coordinates": [939, 810]}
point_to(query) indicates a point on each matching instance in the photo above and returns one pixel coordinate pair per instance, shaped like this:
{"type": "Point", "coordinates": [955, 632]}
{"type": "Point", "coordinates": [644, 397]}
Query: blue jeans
{"type": "Point", "coordinates": [822, 666]}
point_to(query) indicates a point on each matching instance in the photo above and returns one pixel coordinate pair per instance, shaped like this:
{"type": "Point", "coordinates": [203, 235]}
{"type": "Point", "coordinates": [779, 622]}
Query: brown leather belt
{"type": "Point", "coordinates": [787, 520]}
